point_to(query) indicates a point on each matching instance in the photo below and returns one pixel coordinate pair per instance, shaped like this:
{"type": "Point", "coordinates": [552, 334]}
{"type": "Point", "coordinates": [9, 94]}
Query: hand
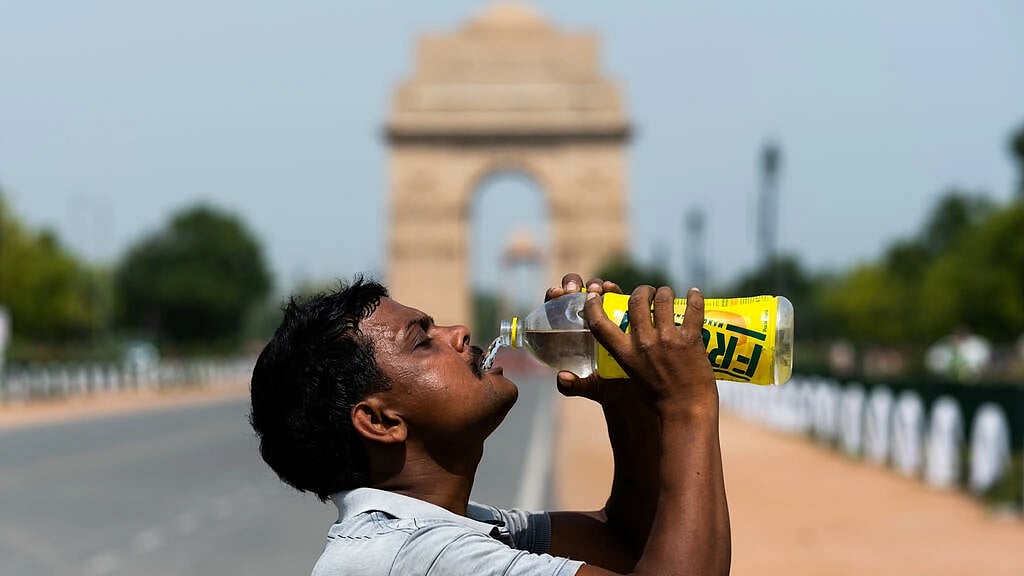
{"type": "Point", "coordinates": [592, 387]}
{"type": "Point", "coordinates": [669, 361]}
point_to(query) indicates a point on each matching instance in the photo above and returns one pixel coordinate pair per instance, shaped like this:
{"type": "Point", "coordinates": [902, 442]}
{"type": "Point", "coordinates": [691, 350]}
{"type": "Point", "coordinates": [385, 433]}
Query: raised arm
{"type": "Point", "coordinates": [614, 536]}
{"type": "Point", "coordinates": [689, 532]}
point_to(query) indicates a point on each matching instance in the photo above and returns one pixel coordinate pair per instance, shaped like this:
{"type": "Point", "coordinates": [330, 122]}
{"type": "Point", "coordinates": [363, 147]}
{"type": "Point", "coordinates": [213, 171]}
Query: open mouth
{"type": "Point", "coordinates": [476, 358]}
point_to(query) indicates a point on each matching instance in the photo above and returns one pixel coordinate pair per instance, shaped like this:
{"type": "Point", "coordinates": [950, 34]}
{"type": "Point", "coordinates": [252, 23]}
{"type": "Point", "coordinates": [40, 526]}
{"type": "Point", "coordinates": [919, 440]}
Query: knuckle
{"type": "Point", "coordinates": [669, 334]}
{"type": "Point", "coordinates": [691, 337]}
{"type": "Point", "coordinates": [636, 297]}
{"type": "Point", "coordinates": [647, 345]}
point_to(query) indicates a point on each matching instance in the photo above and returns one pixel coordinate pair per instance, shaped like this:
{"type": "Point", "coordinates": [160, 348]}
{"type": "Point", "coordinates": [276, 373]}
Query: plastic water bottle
{"type": "Point", "coordinates": [747, 339]}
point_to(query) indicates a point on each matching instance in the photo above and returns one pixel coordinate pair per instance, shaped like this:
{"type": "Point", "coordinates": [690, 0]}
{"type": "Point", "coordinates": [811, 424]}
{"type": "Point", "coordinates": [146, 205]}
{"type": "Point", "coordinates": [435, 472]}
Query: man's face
{"type": "Point", "coordinates": [437, 385]}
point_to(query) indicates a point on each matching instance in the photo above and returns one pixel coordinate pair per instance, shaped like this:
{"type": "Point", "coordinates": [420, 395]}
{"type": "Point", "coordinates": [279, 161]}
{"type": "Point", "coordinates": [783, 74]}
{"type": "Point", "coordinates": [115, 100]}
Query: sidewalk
{"type": "Point", "coordinates": [81, 407]}
{"type": "Point", "coordinates": [798, 509]}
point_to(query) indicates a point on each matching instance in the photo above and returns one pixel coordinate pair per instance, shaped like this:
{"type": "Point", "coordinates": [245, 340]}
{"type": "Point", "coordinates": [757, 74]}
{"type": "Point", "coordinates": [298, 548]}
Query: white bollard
{"type": "Point", "coordinates": [942, 447]}
{"type": "Point", "coordinates": [851, 417]}
{"type": "Point", "coordinates": [826, 407]}
{"type": "Point", "coordinates": [908, 433]}
{"type": "Point", "coordinates": [990, 447]}
{"type": "Point", "coordinates": [876, 425]}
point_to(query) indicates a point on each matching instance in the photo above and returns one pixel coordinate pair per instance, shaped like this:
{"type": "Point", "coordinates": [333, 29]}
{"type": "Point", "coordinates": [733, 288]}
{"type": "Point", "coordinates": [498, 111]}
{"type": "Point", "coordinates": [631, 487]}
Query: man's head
{"type": "Point", "coordinates": [352, 375]}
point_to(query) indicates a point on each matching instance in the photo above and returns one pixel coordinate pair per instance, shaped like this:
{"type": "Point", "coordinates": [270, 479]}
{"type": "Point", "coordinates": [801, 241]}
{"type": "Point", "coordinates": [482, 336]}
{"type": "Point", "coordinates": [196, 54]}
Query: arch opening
{"type": "Point", "coordinates": [510, 248]}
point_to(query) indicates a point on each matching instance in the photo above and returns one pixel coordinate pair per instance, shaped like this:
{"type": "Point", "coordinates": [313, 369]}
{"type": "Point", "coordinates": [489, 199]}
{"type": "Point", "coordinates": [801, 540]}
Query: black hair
{"type": "Point", "coordinates": [317, 366]}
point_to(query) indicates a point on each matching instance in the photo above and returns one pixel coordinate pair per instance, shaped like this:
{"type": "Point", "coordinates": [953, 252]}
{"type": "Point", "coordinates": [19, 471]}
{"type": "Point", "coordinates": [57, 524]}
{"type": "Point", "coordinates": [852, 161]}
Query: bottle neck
{"type": "Point", "coordinates": [511, 333]}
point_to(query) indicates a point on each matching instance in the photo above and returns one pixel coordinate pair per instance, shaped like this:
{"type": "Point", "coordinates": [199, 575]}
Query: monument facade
{"type": "Point", "coordinates": [506, 92]}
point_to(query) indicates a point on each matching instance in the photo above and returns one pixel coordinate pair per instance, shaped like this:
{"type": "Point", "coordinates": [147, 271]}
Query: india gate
{"type": "Point", "coordinates": [507, 92]}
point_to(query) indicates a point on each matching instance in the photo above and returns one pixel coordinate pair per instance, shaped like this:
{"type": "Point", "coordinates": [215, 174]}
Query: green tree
{"type": "Point", "coordinates": [1017, 151]}
{"type": "Point", "coordinates": [628, 273]}
{"type": "Point", "coordinates": [955, 215]}
{"type": "Point", "coordinates": [486, 316]}
{"type": "Point", "coordinates": [50, 295]}
{"type": "Point", "coordinates": [980, 283]}
{"type": "Point", "coordinates": [194, 282]}
{"type": "Point", "coordinates": [865, 307]}
{"type": "Point", "coordinates": [785, 276]}
{"type": "Point", "coordinates": [910, 296]}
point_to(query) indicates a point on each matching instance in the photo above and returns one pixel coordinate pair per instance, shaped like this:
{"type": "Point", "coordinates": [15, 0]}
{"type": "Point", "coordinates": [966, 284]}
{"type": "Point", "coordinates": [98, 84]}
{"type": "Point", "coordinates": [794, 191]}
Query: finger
{"type": "Point", "coordinates": [640, 312]}
{"type": "Point", "coordinates": [603, 286]}
{"type": "Point", "coordinates": [611, 287]}
{"type": "Point", "coordinates": [603, 329]}
{"type": "Point", "coordinates": [591, 387]}
{"type": "Point", "coordinates": [553, 293]}
{"type": "Point", "coordinates": [595, 285]}
{"type": "Point", "coordinates": [567, 383]}
{"type": "Point", "coordinates": [572, 282]}
{"type": "Point", "coordinates": [664, 304]}
{"type": "Point", "coordinates": [693, 320]}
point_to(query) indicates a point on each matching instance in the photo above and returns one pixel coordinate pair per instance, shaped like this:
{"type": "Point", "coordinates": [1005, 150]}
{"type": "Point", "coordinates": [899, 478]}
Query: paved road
{"type": "Point", "coordinates": [182, 491]}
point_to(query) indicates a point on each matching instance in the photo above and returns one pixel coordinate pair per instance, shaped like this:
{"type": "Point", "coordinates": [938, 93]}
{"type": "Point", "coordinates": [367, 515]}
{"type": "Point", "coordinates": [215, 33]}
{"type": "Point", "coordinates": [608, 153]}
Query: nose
{"type": "Point", "coordinates": [459, 337]}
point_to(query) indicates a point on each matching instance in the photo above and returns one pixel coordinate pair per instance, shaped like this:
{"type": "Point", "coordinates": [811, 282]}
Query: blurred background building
{"type": "Point", "coordinates": [507, 92]}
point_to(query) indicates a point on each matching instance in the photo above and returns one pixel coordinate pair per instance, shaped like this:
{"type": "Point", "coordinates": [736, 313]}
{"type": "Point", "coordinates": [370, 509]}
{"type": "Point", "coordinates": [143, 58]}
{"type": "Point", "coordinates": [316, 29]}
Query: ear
{"type": "Point", "coordinates": [375, 421]}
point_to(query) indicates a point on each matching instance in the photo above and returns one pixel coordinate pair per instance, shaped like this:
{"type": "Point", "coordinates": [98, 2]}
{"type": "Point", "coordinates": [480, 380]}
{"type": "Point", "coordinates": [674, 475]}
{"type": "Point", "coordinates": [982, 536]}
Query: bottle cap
{"type": "Point", "coordinates": [509, 332]}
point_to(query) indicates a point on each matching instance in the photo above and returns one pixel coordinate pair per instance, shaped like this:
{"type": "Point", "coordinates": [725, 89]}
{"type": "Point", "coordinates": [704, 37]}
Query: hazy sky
{"type": "Point", "coordinates": [113, 114]}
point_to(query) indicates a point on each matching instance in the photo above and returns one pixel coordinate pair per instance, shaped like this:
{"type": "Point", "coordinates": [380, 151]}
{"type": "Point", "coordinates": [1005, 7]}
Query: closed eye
{"type": "Point", "coordinates": [419, 328]}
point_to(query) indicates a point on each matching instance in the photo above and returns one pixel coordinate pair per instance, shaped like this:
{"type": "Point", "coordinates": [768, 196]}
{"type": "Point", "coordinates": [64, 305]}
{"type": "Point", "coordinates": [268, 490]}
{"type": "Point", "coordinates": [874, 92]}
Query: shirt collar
{"type": "Point", "coordinates": [351, 503]}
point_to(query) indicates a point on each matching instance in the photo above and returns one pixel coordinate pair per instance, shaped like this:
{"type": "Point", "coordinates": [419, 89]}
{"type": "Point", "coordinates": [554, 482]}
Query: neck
{"type": "Point", "coordinates": [447, 485]}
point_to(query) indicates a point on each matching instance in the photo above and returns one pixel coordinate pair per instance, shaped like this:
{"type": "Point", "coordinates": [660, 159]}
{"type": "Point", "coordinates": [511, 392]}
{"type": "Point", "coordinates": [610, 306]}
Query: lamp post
{"type": "Point", "coordinates": [696, 265]}
{"type": "Point", "coordinates": [768, 211]}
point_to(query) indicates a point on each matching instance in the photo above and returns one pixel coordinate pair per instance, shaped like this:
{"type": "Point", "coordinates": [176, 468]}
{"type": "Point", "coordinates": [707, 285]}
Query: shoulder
{"type": "Point", "coordinates": [453, 550]}
{"type": "Point", "coordinates": [365, 544]}
{"type": "Point", "coordinates": [376, 543]}
{"type": "Point", "coordinates": [529, 531]}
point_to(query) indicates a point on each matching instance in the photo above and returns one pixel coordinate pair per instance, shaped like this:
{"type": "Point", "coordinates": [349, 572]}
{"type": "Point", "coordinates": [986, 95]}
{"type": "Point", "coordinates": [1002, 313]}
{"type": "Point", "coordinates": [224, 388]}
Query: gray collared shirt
{"type": "Point", "coordinates": [383, 533]}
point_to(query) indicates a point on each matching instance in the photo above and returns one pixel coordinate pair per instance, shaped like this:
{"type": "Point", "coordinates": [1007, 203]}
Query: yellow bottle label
{"type": "Point", "coordinates": [739, 334]}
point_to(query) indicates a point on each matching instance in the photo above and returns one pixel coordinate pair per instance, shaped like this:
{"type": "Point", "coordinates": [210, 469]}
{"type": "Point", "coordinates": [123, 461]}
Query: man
{"type": "Point", "coordinates": [367, 402]}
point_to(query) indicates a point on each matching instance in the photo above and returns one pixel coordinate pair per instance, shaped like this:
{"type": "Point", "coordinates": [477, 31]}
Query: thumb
{"type": "Point", "coordinates": [570, 384]}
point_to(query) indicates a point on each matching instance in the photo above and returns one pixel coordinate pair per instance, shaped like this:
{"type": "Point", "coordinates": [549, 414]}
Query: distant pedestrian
{"type": "Point", "coordinates": [961, 356]}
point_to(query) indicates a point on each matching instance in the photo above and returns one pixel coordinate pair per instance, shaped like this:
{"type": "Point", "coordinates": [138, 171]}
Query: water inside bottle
{"type": "Point", "coordinates": [492, 351]}
{"type": "Point", "coordinates": [571, 350]}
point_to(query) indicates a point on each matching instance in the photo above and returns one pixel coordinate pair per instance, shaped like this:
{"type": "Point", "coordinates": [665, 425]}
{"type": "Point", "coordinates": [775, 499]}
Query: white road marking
{"type": "Point", "coordinates": [537, 463]}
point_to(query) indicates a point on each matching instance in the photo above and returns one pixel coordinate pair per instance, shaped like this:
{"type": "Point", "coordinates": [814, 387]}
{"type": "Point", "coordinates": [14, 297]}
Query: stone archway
{"type": "Point", "coordinates": [506, 92]}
